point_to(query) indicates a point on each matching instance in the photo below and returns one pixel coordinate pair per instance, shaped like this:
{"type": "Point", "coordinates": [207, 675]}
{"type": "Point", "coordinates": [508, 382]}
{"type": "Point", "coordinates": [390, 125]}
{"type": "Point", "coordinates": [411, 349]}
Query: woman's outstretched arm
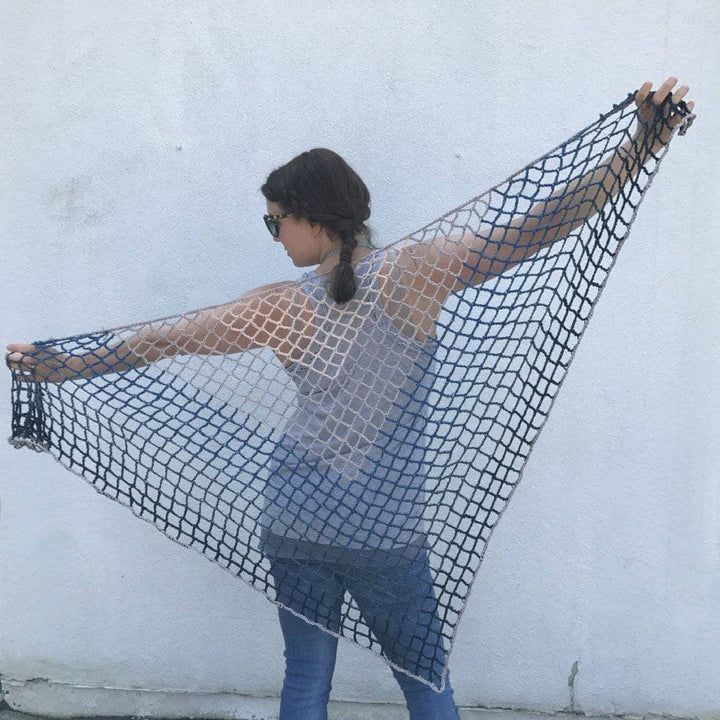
{"type": "Point", "coordinates": [574, 203]}
{"type": "Point", "coordinates": [450, 264]}
{"type": "Point", "coordinates": [263, 318]}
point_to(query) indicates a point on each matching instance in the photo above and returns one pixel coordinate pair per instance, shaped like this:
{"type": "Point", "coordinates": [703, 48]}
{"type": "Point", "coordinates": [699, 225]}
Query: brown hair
{"type": "Point", "coordinates": [321, 187]}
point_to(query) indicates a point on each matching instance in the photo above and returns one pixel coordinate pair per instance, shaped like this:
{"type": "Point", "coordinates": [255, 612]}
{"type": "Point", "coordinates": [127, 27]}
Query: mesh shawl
{"type": "Point", "coordinates": [356, 477]}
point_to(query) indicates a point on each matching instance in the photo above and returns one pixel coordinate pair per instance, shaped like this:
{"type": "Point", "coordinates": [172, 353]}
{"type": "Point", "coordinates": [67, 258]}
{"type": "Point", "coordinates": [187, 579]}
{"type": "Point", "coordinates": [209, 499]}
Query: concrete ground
{"type": "Point", "coordinates": [351, 711]}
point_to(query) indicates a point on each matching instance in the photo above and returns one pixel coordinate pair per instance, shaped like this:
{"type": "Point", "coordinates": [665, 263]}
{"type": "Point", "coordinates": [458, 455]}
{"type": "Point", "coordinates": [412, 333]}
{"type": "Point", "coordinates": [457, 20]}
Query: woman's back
{"type": "Point", "coordinates": [353, 450]}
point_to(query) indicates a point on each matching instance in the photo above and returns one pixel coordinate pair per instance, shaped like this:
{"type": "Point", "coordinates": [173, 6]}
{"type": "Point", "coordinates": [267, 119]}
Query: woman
{"type": "Point", "coordinates": [358, 326]}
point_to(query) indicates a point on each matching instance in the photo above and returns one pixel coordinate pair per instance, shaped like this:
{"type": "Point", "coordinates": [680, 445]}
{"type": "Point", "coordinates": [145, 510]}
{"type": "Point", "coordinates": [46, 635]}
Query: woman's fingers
{"type": "Point", "coordinates": [23, 370]}
{"type": "Point", "coordinates": [18, 357]}
{"type": "Point", "coordinates": [669, 119]}
{"type": "Point", "coordinates": [642, 93]}
{"type": "Point", "coordinates": [662, 92]}
{"type": "Point", "coordinates": [32, 364]}
{"type": "Point", "coordinates": [680, 93]}
{"type": "Point", "coordinates": [20, 360]}
{"type": "Point", "coordinates": [21, 347]}
{"type": "Point", "coordinates": [22, 365]}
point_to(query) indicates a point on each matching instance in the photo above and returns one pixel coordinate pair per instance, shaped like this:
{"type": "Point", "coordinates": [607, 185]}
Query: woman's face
{"type": "Point", "coordinates": [303, 241]}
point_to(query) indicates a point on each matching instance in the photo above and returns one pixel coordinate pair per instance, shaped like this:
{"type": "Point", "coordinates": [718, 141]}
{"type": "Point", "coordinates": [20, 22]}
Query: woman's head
{"type": "Point", "coordinates": [319, 191]}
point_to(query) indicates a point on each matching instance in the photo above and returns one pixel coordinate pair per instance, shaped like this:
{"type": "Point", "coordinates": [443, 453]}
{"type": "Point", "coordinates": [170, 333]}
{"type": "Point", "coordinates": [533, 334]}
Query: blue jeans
{"type": "Point", "coordinates": [397, 602]}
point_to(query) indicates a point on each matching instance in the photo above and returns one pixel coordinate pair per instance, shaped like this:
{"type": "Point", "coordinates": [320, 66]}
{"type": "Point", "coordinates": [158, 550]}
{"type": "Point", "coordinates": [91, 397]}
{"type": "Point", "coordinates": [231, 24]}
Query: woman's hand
{"type": "Point", "coordinates": [664, 121]}
{"type": "Point", "coordinates": [31, 363]}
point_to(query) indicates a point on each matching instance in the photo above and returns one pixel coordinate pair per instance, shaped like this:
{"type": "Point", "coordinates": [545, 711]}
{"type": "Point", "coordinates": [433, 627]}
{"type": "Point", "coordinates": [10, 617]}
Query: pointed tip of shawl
{"type": "Point", "coordinates": [29, 443]}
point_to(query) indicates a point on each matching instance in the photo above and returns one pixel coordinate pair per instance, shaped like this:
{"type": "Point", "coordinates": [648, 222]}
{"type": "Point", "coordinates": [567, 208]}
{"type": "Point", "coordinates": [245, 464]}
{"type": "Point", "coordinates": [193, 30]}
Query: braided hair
{"type": "Point", "coordinates": [321, 187]}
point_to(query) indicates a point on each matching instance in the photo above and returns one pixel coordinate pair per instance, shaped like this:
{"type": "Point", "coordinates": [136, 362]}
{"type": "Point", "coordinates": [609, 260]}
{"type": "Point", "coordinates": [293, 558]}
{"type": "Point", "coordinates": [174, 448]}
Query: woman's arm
{"type": "Point", "coordinates": [263, 318]}
{"type": "Point", "coordinates": [572, 205]}
{"type": "Point", "coordinates": [449, 264]}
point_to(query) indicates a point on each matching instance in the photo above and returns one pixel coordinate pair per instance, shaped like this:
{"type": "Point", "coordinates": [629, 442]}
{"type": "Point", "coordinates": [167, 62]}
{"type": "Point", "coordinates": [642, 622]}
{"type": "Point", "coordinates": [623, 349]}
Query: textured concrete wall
{"type": "Point", "coordinates": [135, 137]}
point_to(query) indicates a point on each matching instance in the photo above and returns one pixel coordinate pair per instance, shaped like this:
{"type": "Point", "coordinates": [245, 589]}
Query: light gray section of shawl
{"type": "Point", "coordinates": [353, 479]}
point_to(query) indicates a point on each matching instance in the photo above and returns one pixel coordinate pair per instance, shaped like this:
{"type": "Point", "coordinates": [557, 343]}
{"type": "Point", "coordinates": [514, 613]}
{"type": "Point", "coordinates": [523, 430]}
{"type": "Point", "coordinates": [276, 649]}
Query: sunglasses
{"type": "Point", "coordinates": [272, 223]}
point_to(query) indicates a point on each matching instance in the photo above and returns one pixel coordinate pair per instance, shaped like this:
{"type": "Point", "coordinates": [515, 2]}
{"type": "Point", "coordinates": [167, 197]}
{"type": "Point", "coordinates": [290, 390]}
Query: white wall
{"type": "Point", "coordinates": [135, 137]}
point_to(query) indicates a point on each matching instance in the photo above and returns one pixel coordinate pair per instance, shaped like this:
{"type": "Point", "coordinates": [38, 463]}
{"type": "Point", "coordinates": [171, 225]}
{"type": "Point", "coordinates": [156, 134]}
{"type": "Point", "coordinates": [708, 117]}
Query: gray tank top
{"type": "Point", "coordinates": [349, 472]}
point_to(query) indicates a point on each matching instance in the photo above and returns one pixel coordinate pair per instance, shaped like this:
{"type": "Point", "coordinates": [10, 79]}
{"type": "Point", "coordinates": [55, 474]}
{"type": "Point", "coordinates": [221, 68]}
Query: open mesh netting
{"type": "Point", "coordinates": [352, 461]}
